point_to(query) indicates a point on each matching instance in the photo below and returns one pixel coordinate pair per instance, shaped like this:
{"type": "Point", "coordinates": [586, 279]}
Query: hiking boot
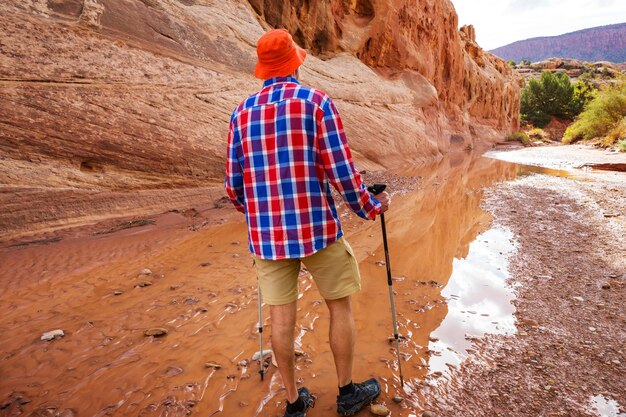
{"type": "Point", "coordinates": [364, 393]}
{"type": "Point", "coordinates": [309, 401]}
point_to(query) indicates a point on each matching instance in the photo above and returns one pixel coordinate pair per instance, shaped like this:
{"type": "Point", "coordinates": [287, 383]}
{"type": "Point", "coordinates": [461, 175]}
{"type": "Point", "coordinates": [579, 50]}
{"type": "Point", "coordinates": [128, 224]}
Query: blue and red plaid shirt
{"type": "Point", "coordinates": [286, 145]}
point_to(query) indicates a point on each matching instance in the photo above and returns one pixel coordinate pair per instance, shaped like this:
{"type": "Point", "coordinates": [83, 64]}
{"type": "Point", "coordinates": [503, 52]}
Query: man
{"type": "Point", "coordinates": [286, 146]}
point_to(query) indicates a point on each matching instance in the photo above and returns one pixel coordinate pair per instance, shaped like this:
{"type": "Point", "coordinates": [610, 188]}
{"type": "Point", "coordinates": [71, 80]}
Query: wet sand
{"type": "Point", "coordinates": [443, 245]}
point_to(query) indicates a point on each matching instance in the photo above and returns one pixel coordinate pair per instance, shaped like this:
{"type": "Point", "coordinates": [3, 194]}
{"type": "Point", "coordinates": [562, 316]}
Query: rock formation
{"type": "Point", "coordinates": [120, 107]}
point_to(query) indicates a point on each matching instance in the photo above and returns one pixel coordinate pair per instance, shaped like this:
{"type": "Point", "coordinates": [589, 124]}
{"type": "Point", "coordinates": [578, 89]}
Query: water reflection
{"type": "Point", "coordinates": [478, 299]}
{"type": "Point", "coordinates": [605, 407]}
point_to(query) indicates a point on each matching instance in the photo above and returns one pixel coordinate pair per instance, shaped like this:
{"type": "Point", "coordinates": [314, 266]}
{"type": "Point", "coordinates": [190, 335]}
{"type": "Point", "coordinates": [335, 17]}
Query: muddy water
{"type": "Point", "coordinates": [449, 268]}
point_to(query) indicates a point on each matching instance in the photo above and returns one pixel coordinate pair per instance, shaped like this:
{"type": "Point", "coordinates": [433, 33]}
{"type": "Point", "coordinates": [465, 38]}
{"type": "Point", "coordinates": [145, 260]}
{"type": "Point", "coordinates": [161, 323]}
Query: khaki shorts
{"type": "Point", "coordinates": [334, 269]}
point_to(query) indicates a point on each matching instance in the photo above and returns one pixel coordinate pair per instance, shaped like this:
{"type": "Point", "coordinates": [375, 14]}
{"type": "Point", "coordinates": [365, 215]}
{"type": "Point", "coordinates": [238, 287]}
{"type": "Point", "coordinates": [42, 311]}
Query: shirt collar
{"type": "Point", "coordinates": [277, 80]}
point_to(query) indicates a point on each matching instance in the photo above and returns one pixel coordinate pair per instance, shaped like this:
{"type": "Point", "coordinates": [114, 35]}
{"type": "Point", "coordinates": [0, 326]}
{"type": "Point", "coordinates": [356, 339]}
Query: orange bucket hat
{"type": "Point", "coordinates": [278, 55]}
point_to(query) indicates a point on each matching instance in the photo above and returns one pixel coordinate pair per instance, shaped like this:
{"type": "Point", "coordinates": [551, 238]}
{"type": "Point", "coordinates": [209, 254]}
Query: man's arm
{"type": "Point", "coordinates": [234, 175]}
{"type": "Point", "coordinates": [337, 161]}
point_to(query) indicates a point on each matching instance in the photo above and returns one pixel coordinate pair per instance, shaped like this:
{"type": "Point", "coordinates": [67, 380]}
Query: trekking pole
{"type": "Point", "coordinates": [377, 189]}
{"type": "Point", "coordinates": [260, 327]}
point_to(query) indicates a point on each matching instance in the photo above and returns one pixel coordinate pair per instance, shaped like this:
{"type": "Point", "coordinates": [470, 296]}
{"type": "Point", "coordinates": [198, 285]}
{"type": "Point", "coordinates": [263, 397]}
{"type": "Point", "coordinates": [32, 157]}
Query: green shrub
{"type": "Point", "coordinates": [538, 134]}
{"type": "Point", "coordinates": [603, 116]}
{"type": "Point", "coordinates": [553, 95]}
{"type": "Point", "coordinates": [621, 145]}
{"type": "Point", "coordinates": [518, 136]}
{"type": "Point", "coordinates": [617, 133]}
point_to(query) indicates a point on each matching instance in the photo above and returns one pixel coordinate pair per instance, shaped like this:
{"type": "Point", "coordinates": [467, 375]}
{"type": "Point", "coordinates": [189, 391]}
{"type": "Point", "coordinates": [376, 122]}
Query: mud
{"type": "Point", "coordinates": [463, 291]}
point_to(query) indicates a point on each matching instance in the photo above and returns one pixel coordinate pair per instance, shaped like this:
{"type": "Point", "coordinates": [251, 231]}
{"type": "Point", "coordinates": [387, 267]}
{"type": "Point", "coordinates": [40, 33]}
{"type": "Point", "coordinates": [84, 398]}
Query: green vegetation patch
{"type": "Point", "coordinates": [554, 95]}
{"type": "Point", "coordinates": [604, 117]}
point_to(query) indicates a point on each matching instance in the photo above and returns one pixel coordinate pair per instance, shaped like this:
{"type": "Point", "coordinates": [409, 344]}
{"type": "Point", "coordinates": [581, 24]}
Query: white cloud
{"type": "Point", "coordinates": [500, 22]}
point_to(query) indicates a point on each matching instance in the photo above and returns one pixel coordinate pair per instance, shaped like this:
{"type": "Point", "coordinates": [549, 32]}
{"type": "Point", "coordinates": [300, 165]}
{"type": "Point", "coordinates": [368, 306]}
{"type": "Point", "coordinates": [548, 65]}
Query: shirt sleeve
{"type": "Point", "coordinates": [233, 183]}
{"type": "Point", "coordinates": [337, 161]}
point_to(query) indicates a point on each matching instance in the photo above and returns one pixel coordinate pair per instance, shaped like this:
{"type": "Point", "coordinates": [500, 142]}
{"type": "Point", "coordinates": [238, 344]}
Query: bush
{"type": "Point", "coordinates": [602, 117]}
{"type": "Point", "coordinates": [553, 95]}
{"type": "Point", "coordinates": [617, 133]}
{"type": "Point", "coordinates": [538, 134]}
{"type": "Point", "coordinates": [621, 145]}
{"type": "Point", "coordinates": [518, 136]}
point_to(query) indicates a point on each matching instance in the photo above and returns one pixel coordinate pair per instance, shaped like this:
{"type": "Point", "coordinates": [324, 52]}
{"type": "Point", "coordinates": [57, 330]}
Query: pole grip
{"type": "Point", "coordinates": [376, 188]}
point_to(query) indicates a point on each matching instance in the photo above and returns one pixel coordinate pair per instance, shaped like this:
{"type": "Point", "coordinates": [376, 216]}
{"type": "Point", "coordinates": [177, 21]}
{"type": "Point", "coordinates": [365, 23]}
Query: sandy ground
{"type": "Point", "coordinates": [485, 284]}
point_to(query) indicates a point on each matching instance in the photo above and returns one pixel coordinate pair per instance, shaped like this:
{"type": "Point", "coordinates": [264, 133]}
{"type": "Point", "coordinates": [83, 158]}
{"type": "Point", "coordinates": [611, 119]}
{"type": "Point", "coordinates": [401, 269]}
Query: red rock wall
{"type": "Point", "coordinates": [111, 98]}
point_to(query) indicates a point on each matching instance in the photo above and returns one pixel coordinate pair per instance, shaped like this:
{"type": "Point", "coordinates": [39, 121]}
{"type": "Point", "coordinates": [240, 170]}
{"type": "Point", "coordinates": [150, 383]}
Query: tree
{"type": "Point", "coordinates": [553, 95]}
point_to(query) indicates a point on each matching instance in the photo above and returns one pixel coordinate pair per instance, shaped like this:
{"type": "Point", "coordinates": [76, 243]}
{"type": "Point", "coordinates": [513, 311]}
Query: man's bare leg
{"type": "Point", "coordinates": [342, 334]}
{"type": "Point", "coordinates": [283, 328]}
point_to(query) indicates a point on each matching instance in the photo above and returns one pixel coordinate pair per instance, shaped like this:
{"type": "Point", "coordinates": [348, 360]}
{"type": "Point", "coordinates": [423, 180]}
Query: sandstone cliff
{"type": "Point", "coordinates": [120, 107]}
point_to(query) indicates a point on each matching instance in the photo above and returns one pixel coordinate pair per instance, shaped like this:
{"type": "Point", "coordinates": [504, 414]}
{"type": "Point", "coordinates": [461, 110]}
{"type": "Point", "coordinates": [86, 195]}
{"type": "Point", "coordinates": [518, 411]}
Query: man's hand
{"type": "Point", "coordinates": [385, 200]}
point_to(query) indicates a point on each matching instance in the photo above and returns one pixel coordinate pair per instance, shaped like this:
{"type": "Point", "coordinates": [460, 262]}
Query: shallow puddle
{"type": "Point", "coordinates": [449, 266]}
{"type": "Point", "coordinates": [478, 299]}
{"type": "Point", "coordinates": [605, 407]}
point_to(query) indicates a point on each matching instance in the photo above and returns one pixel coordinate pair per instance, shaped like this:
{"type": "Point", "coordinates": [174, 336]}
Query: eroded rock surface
{"type": "Point", "coordinates": [115, 108]}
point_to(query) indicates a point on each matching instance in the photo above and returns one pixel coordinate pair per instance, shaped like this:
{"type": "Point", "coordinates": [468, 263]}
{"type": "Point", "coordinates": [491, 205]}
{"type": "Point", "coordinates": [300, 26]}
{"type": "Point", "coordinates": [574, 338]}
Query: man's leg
{"type": "Point", "coordinates": [283, 328]}
{"type": "Point", "coordinates": [341, 335]}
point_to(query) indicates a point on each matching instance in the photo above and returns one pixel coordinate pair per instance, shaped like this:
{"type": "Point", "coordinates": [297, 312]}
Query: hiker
{"type": "Point", "coordinates": [286, 146]}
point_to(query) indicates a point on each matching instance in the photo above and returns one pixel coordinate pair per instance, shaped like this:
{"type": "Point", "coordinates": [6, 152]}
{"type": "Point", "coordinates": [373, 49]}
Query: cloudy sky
{"type": "Point", "coordinates": [500, 22]}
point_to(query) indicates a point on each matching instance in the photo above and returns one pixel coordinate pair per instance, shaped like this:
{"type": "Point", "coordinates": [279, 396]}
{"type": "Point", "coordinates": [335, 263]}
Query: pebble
{"type": "Point", "coordinates": [205, 264]}
{"type": "Point", "coordinates": [146, 271]}
{"type": "Point", "coordinates": [398, 399]}
{"type": "Point", "coordinates": [53, 334]}
{"type": "Point", "coordinates": [257, 354]}
{"type": "Point", "coordinates": [428, 414]}
{"type": "Point", "coordinates": [593, 329]}
{"type": "Point", "coordinates": [606, 286]}
{"type": "Point", "coordinates": [143, 284]}
{"type": "Point", "coordinates": [156, 332]}
{"type": "Point", "coordinates": [118, 292]}
{"type": "Point", "coordinates": [379, 410]}
{"type": "Point", "coordinates": [579, 299]}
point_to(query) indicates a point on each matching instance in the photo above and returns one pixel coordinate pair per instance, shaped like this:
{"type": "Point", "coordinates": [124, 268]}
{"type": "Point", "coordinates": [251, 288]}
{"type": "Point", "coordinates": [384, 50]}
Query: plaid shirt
{"type": "Point", "coordinates": [286, 145]}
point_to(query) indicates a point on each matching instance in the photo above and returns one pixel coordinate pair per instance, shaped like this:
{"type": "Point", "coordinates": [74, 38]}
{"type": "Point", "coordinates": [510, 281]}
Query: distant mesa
{"type": "Point", "coordinates": [602, 43]}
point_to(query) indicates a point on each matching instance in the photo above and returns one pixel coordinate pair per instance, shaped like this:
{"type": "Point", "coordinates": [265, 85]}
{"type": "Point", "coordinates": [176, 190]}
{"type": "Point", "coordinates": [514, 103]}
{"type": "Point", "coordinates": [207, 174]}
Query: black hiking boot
{"type": "Point", "coordinates": [364, 393]}
{"type": "Point", "coordinates": [307, 398]}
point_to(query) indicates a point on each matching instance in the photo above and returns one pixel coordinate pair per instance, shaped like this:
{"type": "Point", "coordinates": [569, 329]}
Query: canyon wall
{"type": "Point", "coordinates": [112, 108]}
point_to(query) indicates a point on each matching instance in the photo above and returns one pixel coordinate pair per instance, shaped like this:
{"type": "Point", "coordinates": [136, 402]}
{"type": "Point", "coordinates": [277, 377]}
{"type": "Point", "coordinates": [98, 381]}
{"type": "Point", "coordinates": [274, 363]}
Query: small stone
{"type": "Point", "coordinates": [379, 410]}
{"type": "Point", "coordinates": [143, 284]}
{"type": "Point", "coordinates": [118, 292]}
{"type": "Point", "coordinates": [299, 352]}
{"type": "Point", "coordinates": [606, 286]}
{"type": "Point", "coordinates": [592, 329]}
{"type": "Point", "coordinates": [205, 264]}
{"type": "Point", "coordinates": [53, 334]}
{"type": "Point", "coordinates": [257, 355]}
{"type": "Point", "coordinates": [398, 399]}
{"type": "Point", "coordinates": [243, 363]}
{"type": "Point", "coordinates": [580, 299]}
{"type": "Point", "coordinates": [156, 332]}
{"type": "Point", "coordinates": [213, 365]}
{"type": "Point", "coordinates": [146, 271]}
{"type": "Point", "coordinates": [243, 404]}
{"type": "Point", "coordinates": [381, 263]}
{"type": "Point", "coordinates": [174, 287]}
{"type": "Point", "coordinates": [428, 414]}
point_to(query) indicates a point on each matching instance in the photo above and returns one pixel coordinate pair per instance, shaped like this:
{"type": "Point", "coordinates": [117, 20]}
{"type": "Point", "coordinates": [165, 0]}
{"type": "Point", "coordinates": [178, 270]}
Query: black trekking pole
{"type": "Point", "coordinates": [377, 189]}
{"type": "Point", "coordinates": [260, 328]}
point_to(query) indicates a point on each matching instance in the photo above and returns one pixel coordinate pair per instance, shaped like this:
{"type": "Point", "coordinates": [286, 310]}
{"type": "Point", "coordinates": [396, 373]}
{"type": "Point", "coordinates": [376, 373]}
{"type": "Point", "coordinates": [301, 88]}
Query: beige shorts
{"type": "Point", "coordinates": [334, 269]}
